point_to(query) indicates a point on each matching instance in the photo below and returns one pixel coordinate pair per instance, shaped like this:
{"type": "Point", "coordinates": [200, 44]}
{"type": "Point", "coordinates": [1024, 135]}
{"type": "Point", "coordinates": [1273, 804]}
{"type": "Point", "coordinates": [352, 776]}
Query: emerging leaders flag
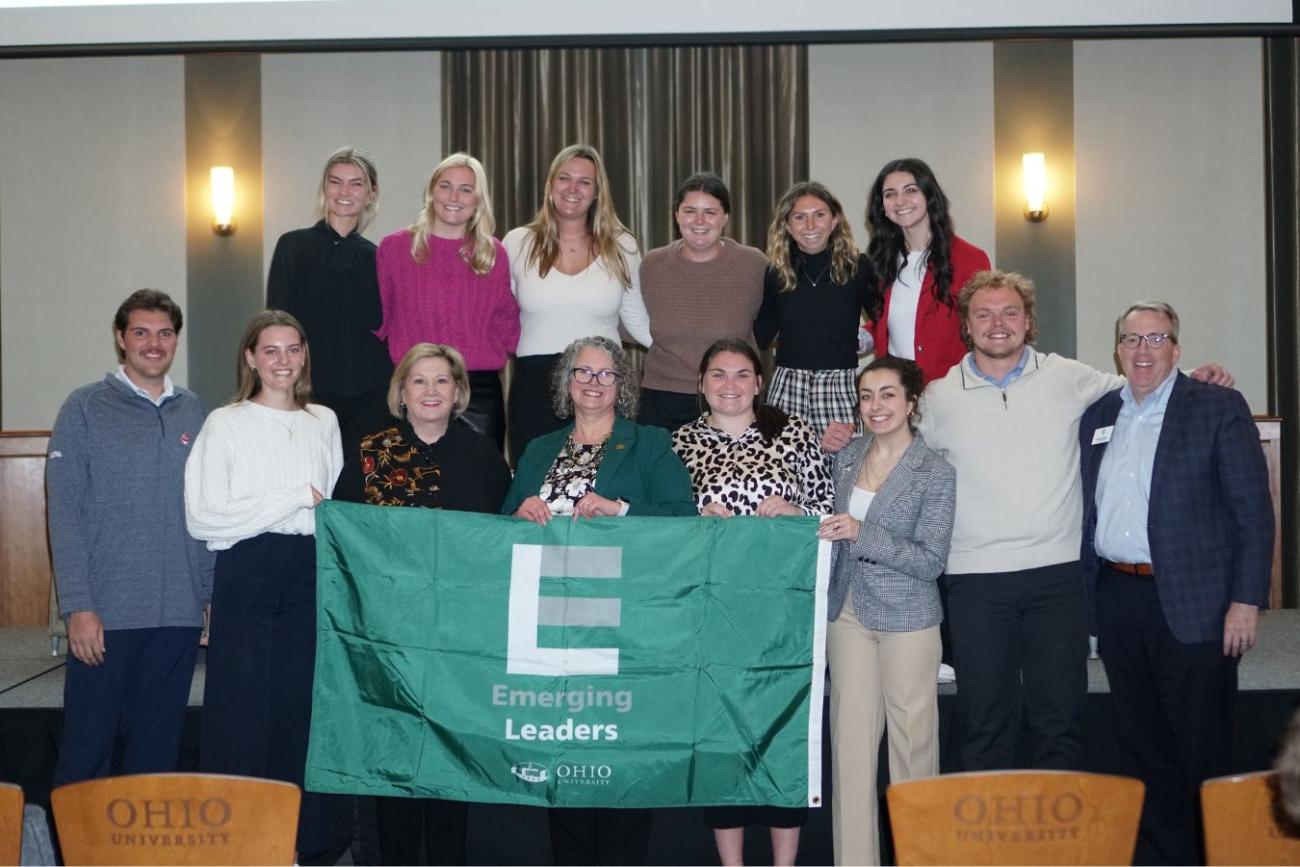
{"type": "Point", "coordinates": [620, 662]}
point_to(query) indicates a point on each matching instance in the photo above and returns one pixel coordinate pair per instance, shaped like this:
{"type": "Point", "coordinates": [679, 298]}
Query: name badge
{"type": "Point", "coordinates": [1102, 434]}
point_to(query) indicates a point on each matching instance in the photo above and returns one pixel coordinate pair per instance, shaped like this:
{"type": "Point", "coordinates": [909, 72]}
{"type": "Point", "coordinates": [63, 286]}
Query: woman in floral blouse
{"type": "Point", "coordinates": [747, 458]}
{"type": "Point", "coordinates": [432, 459]}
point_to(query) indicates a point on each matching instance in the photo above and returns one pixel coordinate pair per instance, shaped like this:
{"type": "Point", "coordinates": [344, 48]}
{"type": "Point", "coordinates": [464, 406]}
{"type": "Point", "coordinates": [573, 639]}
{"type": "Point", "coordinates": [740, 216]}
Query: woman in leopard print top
{"type": "Point", "coordinates": [746, 458]}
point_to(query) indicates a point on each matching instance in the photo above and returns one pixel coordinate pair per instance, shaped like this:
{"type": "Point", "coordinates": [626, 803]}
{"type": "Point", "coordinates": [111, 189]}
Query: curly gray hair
{"type": "Point", "coordinates": [629, 392]}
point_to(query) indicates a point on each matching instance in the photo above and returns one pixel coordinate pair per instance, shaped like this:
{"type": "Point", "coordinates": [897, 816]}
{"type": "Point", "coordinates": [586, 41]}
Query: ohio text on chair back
{"type": "Point", "coordinates": [177, 819]}
{"type": "Point", "coordinates": [1016, 817]}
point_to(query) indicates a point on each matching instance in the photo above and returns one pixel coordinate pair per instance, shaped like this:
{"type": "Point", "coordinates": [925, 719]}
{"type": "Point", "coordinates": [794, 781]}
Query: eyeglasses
{"type": "Point", "coordinates": [1155, 340]}
{"type": "Point", "coordinates": [584, 375]}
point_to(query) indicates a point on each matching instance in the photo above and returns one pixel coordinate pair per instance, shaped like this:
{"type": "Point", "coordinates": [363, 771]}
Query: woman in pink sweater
{"type": "Point", "coordinates": [446, 280]}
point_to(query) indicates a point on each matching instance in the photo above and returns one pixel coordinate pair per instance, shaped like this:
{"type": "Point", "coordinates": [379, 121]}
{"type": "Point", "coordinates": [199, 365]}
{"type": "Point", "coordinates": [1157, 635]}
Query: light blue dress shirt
{"type": "Point", "coordinates": [1004, 381]}
{"type": "Point", "coordinates": [1124, 478]}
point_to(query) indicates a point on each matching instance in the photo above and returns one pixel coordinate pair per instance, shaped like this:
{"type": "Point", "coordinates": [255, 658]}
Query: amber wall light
{"type": "Point", "coordinates": [223, 200]}
{"type": "Point", "coordinates": [1035, 169]}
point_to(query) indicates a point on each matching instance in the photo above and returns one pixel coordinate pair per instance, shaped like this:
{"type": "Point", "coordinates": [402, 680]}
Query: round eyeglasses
{"type": "Point", "coordinates": [584, 375]}
{"type": "Point", "coordinates": [1155, 340]}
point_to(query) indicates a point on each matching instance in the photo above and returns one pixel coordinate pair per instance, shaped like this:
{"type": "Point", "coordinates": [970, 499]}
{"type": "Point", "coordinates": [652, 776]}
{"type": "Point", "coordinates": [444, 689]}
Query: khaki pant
{"type": "Point", "coordinates": [878, 676]}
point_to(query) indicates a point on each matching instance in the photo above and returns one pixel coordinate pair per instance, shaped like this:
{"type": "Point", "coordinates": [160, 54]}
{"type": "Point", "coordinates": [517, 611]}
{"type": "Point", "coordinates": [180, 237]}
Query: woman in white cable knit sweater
{"type": "Point", "coordinates": [258, 469]}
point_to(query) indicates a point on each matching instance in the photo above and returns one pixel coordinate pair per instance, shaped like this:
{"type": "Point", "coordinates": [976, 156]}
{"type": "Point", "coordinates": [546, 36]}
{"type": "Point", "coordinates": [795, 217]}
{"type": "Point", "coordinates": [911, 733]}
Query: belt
{"type": "Point", "coordinates": [1142, 569]}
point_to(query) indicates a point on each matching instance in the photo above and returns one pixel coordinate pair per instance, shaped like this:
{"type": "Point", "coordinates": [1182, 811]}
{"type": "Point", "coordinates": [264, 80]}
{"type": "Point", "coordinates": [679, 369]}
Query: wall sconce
{"type": "Point", "coordinates": [223, 200]}
{"type": "Point", "coordinates": [1035, 168]}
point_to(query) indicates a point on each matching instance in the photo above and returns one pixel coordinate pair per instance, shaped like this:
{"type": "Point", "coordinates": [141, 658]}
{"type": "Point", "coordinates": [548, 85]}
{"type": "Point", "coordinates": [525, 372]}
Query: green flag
{"type": "Point", "coordinates": [633, 662]}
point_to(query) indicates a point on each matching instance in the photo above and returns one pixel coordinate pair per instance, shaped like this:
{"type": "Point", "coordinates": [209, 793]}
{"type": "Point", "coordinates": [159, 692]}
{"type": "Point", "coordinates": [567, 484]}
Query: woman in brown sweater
{"type": "Point", "coordinates": [699, 289]}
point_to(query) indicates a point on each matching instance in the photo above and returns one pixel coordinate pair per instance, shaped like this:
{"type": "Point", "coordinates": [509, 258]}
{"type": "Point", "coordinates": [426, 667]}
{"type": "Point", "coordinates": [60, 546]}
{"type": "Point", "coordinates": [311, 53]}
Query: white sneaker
{"type": "Point", "coordinates": [946, 673]}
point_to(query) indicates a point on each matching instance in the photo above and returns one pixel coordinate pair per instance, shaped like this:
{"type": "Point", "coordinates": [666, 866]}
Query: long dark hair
{"type": "Point", "coordinates": [888, 245]}
{"type": "Point", "coordinates": [770, 419]}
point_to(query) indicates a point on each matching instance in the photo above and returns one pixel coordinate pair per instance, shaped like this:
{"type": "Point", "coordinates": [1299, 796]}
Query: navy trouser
{"type": "Point", "coordinates": [1020, 637]}
{"type": "Point", "coordinates": [1173, 713]}
{"type": "Point", "coordinates": [139, 691]}
{"type": "Point", "coordinates": [261, 663]}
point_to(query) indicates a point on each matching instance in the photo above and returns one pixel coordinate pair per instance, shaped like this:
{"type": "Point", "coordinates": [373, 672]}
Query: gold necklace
{"type": "Point", "coordinates": [875, 476]}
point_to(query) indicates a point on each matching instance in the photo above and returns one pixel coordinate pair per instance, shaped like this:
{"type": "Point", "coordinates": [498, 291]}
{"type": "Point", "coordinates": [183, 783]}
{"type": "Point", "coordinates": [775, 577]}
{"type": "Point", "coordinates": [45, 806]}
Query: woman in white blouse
{"type": "Point", "coordinates": [575, 270]}
{"type": "Point", "coordinates": [258, 469]}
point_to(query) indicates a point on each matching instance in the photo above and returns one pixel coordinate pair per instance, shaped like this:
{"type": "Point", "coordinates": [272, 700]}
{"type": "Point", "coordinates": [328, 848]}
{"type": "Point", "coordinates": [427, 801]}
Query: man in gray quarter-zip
{"type": "Point", "coordinates": [131, 582]}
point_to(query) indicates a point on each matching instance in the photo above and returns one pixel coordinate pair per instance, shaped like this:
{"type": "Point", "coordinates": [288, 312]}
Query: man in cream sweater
{"type": "Point", "coordinates": [1007, 417]}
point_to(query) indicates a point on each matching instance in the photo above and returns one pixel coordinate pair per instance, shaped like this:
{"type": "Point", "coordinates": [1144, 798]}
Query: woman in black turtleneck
{"type": "Point", "coordinates": [816, 289]}
{"type": "Point", "coordinates": [325, 276]}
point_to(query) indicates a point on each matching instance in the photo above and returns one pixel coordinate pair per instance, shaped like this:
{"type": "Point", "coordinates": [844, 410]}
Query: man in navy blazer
{"type": "Point", "coordinates": [1177, 551]}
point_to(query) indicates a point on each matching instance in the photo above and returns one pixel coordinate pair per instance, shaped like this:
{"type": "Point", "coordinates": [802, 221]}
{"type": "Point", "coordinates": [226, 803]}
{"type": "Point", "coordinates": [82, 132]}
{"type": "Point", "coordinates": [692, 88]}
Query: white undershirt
{"type": "Point", "coordinates": [903, 300]}
{"type": "Point", "coordinates": [860, 501]}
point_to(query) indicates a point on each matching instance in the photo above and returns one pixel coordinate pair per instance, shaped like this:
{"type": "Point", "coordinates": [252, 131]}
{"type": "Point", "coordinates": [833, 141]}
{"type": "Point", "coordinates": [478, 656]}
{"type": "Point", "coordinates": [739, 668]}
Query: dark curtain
{"type": "Point", "coordinates": [655, 114]}
{"type": "Point", "coordinates": [1282, 192]}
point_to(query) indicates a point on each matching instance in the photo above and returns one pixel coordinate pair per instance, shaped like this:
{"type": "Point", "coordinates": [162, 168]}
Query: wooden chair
{"type": "Point", "coordinates": [11, 824]}
{"type": "Point", "coordinates": [1243, 823]}
{"type": "Point", "coordinates": [177, 819]}
{"type": "Point", "coordinates": [1016, 817]}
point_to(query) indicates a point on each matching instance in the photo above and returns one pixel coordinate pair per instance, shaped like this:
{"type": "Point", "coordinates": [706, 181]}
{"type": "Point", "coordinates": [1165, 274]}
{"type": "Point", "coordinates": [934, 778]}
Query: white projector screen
{"type": "Point", "coordinates": [90, 23]}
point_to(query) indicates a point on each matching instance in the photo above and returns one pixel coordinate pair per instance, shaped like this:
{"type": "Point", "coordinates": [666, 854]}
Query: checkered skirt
{"type": "Point", "coordinates": [819, 397]}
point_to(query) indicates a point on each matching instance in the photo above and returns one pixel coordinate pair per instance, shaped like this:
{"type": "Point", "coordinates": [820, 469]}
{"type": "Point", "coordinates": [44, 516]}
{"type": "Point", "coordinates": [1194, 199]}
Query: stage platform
{"type": "Point", "coordinates": [31, 699]}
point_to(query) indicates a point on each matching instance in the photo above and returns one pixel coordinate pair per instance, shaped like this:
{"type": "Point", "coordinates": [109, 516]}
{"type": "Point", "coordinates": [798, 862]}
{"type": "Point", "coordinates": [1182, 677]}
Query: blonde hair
{"type": "Point", "coordinates": [250, 384]}
{"type": "Point", "coordinates": [359, 158]}
{"type": "Point", "coordinates": [995, 279]}
{"type": "Point", "coordinates": [478, 251]}
{"type": "Point", "coordinates": [607, 230]}
{"type": "Point", "coordinates": [781, 245]}
{"type": "Point", "coordinates": [417, 353]}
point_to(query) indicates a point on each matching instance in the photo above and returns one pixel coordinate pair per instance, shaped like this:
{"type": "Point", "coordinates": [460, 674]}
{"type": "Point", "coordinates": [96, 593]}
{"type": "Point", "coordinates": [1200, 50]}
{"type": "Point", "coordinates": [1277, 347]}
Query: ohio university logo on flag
{"type": "Point", "coordinates": [630, 662]}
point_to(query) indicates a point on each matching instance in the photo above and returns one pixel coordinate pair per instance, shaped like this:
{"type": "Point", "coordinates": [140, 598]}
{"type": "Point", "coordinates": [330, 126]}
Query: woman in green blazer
{"type": "Point", "coordinates": [599, 465]}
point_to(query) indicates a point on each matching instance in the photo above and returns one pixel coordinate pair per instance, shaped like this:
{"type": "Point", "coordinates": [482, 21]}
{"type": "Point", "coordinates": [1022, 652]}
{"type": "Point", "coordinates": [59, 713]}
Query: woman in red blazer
{"type": "Point", "coordinates": [922, 266]}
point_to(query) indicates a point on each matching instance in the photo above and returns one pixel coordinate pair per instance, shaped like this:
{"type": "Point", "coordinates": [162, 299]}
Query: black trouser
{"type": "Point", "coordinates": [531, 414]}
{"type": "Point", "coordinates": [407, 825]}
{"type": "Point", "coordinates": [1020, 636]}
{"type": "Point", "coordinates": [358, 414]}
{"type": "Point", "coordinates": [260, 665]}
{"type": "Point", "coordinates": [669, 409]}
{"type": "Point", "coordinates": [598, 835]}
{"type": "Point", "coordinates": [1173, 713]}
{"type": "Point", "coordinates": [486, 412]}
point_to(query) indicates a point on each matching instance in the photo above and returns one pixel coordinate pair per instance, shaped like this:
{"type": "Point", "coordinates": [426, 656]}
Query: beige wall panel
{"type": "Point", "coordinates": [1170, 196]}
{"type": "Point", "coordinates": [873, 103]}
{"type": "Point", "coordinates": [92, 207]}
{"type": "Point", "coordinates": [312, 104]}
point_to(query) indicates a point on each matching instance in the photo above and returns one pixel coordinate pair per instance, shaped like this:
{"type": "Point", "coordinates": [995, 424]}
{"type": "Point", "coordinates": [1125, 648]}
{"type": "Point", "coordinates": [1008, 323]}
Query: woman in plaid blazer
{"type": "Point", "coordinates": [894, 502]}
